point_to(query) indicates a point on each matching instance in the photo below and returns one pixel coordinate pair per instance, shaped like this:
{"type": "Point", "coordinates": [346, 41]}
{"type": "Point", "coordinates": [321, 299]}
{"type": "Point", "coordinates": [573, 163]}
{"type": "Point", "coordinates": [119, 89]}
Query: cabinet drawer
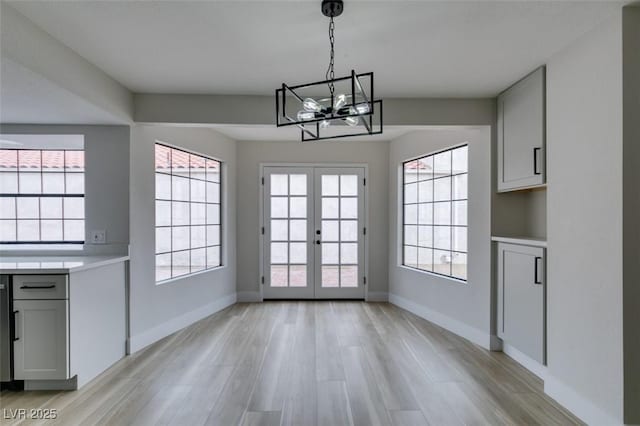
{"type": "Point", "coordinates": [40, 287]}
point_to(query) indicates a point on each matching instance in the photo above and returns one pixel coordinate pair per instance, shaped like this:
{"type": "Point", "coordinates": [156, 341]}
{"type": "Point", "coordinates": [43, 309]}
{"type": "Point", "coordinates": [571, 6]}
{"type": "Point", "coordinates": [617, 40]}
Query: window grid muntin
{"type": "Point", "coordinates": [433, 225]}
{"type": "Point", "coordinates": [42, 171]}
{"type": "Point", "coordinates": [206, 224]}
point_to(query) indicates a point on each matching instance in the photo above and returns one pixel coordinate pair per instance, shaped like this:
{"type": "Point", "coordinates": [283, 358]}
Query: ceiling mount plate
{"type": "Point", "coordinates": [332, 8]}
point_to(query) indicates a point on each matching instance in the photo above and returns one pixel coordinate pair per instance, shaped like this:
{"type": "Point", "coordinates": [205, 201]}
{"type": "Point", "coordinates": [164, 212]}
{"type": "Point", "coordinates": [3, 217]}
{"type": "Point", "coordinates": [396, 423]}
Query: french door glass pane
{"type": "Point", "coordinates": [298, 207]}
{"type": "Point", "coordinates": [339, 254]}
{"type": "Point", "coordinates": [279, 275]}
{"type": "Point", "coordinates": [348, 185]}
{"type": "Point", "coordinates": [349, 230]}
{"type": "Point", "coordinates": [330, 230]}
{"type": "Point", "coordinates": [288, 230]}
{"type": "Point", "coordinates": [298, 275]}
{"type": "Point", "coordinates": [279, 230]}
{"type": "Point", "coordinates": [298, 184]}
{"type": "Point", "coordinates": [279, 185]}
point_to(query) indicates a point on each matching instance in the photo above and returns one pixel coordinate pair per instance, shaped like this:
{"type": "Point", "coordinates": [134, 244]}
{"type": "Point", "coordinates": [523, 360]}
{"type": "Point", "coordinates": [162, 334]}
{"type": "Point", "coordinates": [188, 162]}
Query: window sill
{"type": "Point", "coordinates": [434, 274]}
{"type": "Point", "coordinates": [182, 277]}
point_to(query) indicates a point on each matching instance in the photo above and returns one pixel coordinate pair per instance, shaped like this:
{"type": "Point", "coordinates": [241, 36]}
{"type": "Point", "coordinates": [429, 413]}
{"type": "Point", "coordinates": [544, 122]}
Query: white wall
{"type": "Point", "coordinates": [584, 225]}
{"type": "Point", "coordinates": [106, 179]}
{"type": "Point", "coordinates": [159, 310]}
{"type": "Point", "coordinates": [251, 154]}
{"type": "Point", "coordinates": [29, 46]}
{"type": "Point", "coordinates": [462, 308]}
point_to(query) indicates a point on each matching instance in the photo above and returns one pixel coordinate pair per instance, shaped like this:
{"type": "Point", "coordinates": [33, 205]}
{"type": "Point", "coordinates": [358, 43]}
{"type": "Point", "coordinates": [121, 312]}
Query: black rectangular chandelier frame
{"type": "Point", "coordinates": [310, 129]}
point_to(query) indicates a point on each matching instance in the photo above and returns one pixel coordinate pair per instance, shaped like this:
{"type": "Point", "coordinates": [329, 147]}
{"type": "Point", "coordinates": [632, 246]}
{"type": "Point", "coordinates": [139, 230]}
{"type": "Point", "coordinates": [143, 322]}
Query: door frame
{"type": "Point", "coordinates": [262, 225]}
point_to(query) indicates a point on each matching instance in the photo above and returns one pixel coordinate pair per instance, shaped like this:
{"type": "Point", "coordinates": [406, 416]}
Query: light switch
{"type": "Point", "coordinates": [98, 237]}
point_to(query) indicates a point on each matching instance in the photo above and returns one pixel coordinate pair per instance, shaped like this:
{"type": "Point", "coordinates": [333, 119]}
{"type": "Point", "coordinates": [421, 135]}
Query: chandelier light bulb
{"type": "Point", "coordinates": [339, 101]}
{"type": "Point", "coordinates": [362, 108]}
{"type": "Point", "coordinates": [311, 105]}
{"type": "Point", "coordinates": [306, 115]}
{"type": "Point", "coordinates": [352, 121]}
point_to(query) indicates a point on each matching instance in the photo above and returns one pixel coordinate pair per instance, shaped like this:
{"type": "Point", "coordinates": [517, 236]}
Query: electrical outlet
{"type": "Point", "coordinates": [98, 237]}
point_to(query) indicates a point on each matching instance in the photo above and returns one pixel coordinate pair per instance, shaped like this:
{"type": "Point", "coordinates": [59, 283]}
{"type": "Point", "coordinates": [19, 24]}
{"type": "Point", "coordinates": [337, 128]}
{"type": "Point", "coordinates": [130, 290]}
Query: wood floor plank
{"type": "Point", "coordinates": [305, 363]}
{"type": "Point", "coordinates": [365, 397]}
{"type": "Point", "coordinates": [271, 387]}
{"type": "Point", "coordinates": [262, 418]}
{"type": "Point", "coordinates": [407, 418]}
{"type": "Point", "coordinates": [333, 404]}
{"type": "Point", "coordinates": [328, 361]}
{"type": "Point", "coordinates": [300, 406]}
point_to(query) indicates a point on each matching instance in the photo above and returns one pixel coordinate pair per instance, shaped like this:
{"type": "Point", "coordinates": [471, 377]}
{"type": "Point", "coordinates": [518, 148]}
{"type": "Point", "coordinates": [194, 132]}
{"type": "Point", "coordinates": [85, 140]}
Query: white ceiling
{"type": "Point", "coordinates": [415, 48]}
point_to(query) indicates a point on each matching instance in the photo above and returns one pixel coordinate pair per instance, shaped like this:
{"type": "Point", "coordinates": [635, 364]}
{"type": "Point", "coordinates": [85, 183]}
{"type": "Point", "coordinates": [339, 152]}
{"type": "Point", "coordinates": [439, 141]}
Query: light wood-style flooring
{"type": "Point", "coordinates": [306, 363]}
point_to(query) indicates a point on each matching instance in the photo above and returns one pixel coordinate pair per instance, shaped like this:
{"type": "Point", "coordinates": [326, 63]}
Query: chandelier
{"type": "Point", "coordinates": [334, 107]}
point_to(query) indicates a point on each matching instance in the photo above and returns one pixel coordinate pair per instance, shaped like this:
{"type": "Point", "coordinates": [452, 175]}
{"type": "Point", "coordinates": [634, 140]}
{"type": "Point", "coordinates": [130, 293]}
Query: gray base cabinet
{"type": "Point", "coordinates": [521, 299]}
{"type": "Point", "coordinates": [42, 349]}
{"type": "Point", "coordinates": [521, 133]}
{"type": "Point", "coordinates": [41, 337]}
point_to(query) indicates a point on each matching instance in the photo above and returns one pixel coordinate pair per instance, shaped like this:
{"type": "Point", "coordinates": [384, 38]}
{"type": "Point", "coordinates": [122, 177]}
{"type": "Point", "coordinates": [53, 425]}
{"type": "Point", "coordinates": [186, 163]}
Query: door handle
{"type": "Point", "coordinates": [15, 328]}
{"type": "Point", "coordinates": [535, 160]}
{"type": "Point", "coordinates": [36, 287]}
{"type": "Point", "coordinates": [536, 278]}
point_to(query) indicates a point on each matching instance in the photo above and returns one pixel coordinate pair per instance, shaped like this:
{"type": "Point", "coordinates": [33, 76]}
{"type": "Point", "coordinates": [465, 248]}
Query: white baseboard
{"type": "Point", "coordinates": [249, 296]}
{"type": "Point", "coordinates": [530, 364]}
{"type": "Point", "coordinates": [169, 327]}
{"type": "Point", "coordinates": [461, 329]}
{"type": "Point", "coordinates": [581, 407]}
{"type": "Point", "coordinates": [377, 296]}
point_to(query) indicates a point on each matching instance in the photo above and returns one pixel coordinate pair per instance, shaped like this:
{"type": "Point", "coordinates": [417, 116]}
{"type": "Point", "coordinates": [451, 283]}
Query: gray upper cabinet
{"type": "Point", "coordinates": [521, 299]}
{"type": "Point", "coordinates": [521, 133]}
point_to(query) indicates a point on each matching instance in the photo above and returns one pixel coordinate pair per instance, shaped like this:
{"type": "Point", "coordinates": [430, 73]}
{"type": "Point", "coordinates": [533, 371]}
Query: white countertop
{"type": "Point", "coordinates": [54, 264]}
{"type": "Point", "coordinates": [526, 241]}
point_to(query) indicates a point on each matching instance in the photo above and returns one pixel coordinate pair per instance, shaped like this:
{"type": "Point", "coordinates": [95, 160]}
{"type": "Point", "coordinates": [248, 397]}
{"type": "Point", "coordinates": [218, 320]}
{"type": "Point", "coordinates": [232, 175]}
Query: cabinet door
{"type": "Point", "coordinates": [521, 133]}
{"type": "Point", "coordinates": [521, 296]}
{"type": "Point", "coordinates": [41, 351]}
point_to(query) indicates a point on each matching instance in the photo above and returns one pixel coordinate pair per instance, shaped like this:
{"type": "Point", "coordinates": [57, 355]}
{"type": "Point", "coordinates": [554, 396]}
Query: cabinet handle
{"type": "Point", "coordinates": [536, 279]}
{"type": "Point", "coordinates": [535, 160]}
{"type": "Point", "coordinates": [36, 287]}
{"type": "Point", "coordinates": [15, 328]}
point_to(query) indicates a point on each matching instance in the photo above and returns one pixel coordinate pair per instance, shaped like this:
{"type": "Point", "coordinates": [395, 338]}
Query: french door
{"type": "Point", "coordinates": [314, 233]}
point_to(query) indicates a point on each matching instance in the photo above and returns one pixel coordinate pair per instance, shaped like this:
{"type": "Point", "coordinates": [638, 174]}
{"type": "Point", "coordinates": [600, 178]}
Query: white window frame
{"type": "Point", "coordinates": [221, 202]}
{"type": "Point", "coordinates": [401, 215]}
{"type": "Point", "coordinates": [38, 244]}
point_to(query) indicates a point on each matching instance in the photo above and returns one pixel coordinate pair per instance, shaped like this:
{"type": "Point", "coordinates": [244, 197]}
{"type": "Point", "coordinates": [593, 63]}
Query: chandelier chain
{"type": "Point", "coordinates": [330, 75]}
